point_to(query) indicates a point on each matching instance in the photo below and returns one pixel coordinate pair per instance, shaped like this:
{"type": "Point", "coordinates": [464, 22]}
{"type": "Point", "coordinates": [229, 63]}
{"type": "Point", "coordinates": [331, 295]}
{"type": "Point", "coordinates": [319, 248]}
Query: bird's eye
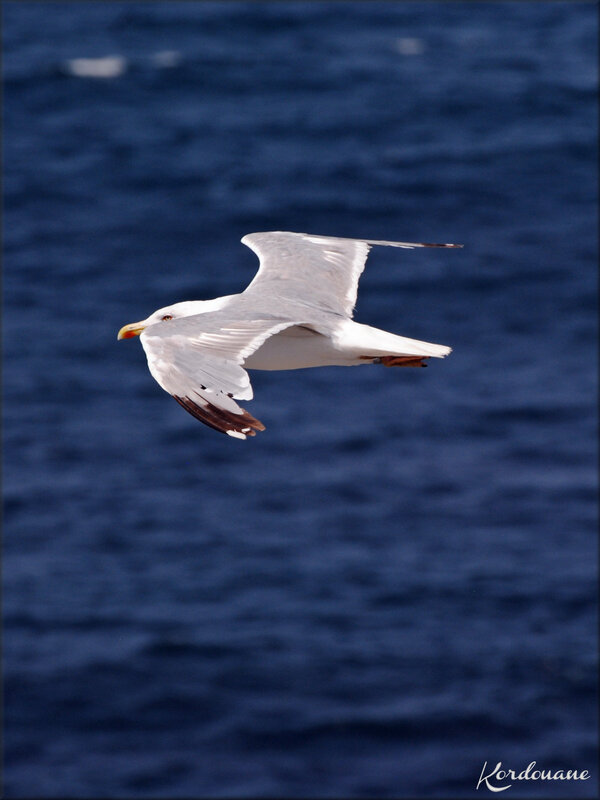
{"type": "Point", "coordinates": [166, 317]}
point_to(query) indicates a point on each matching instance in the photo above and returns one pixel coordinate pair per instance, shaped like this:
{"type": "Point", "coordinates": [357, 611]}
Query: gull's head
{"type": "Point", "coordinates": [166, 314]}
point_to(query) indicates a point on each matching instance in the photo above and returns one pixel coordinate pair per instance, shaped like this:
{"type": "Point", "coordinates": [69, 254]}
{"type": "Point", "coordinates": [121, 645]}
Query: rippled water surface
{"type": "Point", "coordinates": [396, 581]}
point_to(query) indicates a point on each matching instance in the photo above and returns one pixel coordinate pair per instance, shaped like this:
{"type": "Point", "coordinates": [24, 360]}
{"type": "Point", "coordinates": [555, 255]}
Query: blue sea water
{"type": "Point", "coordinates": [397, 581]}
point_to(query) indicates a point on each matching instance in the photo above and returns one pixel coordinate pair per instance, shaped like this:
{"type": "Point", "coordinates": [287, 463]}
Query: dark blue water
{"type": "Point", "coordinates": [396, 581]}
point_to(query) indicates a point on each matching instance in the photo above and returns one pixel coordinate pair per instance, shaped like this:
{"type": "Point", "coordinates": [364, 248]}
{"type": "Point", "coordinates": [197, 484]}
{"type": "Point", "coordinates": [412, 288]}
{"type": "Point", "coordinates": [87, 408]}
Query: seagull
{"type": "Point", "coordinates": [295, 313]}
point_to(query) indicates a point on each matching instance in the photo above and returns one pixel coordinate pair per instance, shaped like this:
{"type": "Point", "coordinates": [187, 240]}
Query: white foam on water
{"type": "Point", "coordinates": [410, 47]}
{"type": "Point", "coordinates": [167, 58]}
{"type": "Point", "coordinates": [105, 67]}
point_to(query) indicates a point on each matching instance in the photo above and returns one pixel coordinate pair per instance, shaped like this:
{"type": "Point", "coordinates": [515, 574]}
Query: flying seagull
{"type": "Point", "coordinates": [295, 313]}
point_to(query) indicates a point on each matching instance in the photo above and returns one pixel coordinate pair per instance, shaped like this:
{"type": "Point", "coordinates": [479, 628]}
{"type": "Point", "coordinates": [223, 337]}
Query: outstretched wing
{"type": "Point", "coordinates": [318, 271]}
{"type": "Point", "coordinates": [198, 359]}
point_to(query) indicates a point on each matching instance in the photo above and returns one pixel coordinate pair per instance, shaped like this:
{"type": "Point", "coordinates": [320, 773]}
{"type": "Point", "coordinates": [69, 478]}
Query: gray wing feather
{"type": "Point", "coordinates": [198, 359]}
{"type": "Point", "coordinates": [319, 272]}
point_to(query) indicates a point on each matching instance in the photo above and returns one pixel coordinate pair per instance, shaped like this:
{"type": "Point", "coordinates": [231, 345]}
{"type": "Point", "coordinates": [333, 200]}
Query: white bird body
{"type": "Point", "coordinates": [300, 347]}
{"type": "Point", "coordinates": [295, 314]}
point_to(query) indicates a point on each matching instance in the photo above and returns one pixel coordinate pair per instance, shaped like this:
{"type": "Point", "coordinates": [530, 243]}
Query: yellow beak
{"type": "Point", "coordinates": [128, 331]}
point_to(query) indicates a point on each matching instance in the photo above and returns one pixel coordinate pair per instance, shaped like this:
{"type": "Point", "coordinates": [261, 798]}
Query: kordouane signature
{"type": "Point", "coordinates": [497, 779]}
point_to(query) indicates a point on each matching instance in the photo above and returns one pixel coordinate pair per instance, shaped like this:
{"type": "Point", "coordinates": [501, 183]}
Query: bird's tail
{"type": "Point", "coordinates": [378, 343]}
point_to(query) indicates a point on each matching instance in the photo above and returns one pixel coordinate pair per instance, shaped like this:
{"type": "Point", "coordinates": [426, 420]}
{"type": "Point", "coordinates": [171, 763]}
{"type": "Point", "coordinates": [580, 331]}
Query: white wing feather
{"type": "Point", "coordinates": [321, 272]}
{"type": "Point", "coordinates": [200, 364]}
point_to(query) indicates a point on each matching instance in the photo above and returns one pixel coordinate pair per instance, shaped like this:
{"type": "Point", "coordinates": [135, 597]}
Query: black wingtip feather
{"type": "Point", "coordinates": [220, 419]}
{"type": "Point", "coordinates": [442, 245]}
